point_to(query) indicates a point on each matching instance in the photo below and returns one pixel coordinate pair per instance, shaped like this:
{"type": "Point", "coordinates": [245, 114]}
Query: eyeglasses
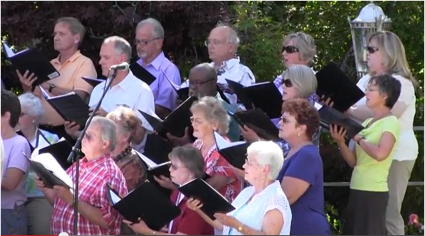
{"type": "Point", "coordinates": [371, 49]}
{"type": "Point", "coordinates": [144, 42]}
{"type": "Point", "coordinates": [287, 83]}
{"type": "Point", "coordinates": [290, 49]}
{"type": "Point", "coordinates": [284, 120]}
{"type": "Point", "coordinates": [199, 83]}
{"type": "Point", "coordinates": [213, 42]}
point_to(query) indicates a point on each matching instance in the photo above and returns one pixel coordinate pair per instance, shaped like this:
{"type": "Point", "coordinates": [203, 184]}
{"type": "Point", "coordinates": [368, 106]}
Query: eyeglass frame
{"type": "Point", "coordinates": [290, 49]}
{"type": "Point", "coordinates": [144, 42]}
{"type": "Point", "coordinates": [287, 82]}
{"type": "Point", "coordinates": [199, 83]}
{"type": "Point", "coordinates": [215, 42]}
{"type": "Point", "coordinates": [371, 50]}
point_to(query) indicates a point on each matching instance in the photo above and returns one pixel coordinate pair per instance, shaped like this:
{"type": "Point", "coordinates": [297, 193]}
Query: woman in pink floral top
{"type": "Point", "coordinates": [208, 115]}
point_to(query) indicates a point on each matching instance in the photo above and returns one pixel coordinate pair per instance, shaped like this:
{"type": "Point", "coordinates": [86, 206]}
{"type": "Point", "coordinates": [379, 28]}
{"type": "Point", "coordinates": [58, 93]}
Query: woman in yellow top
{"type": "Point", "coordinates": [371, 158]}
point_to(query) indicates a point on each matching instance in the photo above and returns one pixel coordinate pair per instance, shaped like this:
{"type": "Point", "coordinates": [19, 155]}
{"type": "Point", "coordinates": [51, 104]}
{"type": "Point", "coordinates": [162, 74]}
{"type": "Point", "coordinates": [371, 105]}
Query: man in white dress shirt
{"type": "Point", "coordinates": [222, 43]}
{"type": "Point", "coordinates": [125, 89]}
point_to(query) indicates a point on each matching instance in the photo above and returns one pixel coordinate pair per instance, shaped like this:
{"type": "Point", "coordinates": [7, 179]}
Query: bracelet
{"type": "Point", "coordinates": [240, 228]}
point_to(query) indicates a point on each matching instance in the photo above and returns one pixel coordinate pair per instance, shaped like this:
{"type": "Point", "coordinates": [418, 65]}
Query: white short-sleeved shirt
{"type": "Point", "coordinates": [233, 70]}
{"type": "Point", "coordinates": [250, 210]}
{"type": "Point", "coordinates": [134, 93]}
{"type": "Point", "coordinates": [407, 147]}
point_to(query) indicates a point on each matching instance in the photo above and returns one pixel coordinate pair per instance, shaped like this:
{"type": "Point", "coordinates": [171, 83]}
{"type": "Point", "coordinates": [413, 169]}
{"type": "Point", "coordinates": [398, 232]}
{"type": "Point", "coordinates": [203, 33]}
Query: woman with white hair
{"type": "Point", "coordinates": [31, 113]}
{"type": "Point", "coordinates": [261, 208]}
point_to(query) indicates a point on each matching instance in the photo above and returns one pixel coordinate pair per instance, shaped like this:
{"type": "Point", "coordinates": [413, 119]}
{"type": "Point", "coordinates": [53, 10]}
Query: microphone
{"type": "Point", "coordinates": [122, 66]}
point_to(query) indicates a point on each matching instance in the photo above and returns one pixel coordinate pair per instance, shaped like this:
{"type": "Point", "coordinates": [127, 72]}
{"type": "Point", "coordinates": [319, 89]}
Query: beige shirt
{"type": "Point", "coordinates": [71, 73]}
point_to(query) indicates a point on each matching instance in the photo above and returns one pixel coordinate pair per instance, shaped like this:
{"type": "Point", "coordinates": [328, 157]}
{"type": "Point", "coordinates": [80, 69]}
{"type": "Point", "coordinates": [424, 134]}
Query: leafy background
{"type": "Point", "coordinates": [261, 26]}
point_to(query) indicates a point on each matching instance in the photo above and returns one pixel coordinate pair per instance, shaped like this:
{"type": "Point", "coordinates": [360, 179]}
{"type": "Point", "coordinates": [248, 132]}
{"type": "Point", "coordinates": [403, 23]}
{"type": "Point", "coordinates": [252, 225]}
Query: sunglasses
{"type": "Point", "coordinates": [290, 49]}
{"type": "Point", "coordinates": [287, 83]}
{"type": "Point", "coordinates": [371, 50]}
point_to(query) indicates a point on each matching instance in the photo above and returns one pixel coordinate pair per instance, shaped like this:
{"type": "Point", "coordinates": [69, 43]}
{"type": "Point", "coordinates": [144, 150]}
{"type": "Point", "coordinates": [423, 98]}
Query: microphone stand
{"type": "Point", "coordinates": [75, 154]}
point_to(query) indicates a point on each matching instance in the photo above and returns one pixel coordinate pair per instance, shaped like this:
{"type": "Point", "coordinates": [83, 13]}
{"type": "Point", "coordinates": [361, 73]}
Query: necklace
{"type": "Point", "coordinates": [123, 154]}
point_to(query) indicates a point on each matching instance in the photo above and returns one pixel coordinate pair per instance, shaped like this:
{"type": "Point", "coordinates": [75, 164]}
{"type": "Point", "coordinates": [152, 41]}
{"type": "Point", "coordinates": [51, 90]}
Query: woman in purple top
{"type": "Point", "coordinates": [302, 173]}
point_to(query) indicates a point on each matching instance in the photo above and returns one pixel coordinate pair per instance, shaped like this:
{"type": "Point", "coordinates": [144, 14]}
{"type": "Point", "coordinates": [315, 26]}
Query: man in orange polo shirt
{"type": "Point", "coordinates": [71, 64]}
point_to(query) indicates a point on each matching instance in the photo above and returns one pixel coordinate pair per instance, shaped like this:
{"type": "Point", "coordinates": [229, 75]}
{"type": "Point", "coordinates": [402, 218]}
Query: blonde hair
{"type": "Point", "coordinates": [303, 78]}
{"type": "Point", "coordinates": [125, 119]}
{"type": "Point", "coordinates": [213, 112]}
{"type": "Point", "coordinates": [395, 60]}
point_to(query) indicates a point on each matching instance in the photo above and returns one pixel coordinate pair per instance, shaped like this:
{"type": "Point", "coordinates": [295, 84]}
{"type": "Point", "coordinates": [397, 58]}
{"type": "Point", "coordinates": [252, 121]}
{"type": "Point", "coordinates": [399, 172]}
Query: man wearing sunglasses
{"type": "Point", "coordinates": [149, 41]}
{"type": "Point", "coordinates": [222, 44]}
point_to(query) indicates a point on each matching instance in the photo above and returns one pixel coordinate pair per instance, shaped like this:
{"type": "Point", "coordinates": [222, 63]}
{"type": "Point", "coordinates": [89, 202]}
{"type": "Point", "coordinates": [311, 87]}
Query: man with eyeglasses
{"type": "Point", "coordinates": [222, 43]}
{"type": "Point", "coordinates": [149, 41]}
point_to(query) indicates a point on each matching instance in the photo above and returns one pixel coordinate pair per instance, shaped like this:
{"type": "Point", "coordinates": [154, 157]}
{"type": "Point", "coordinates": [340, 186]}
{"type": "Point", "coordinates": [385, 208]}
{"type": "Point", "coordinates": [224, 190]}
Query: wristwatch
{"type": "Point", "coordinates": [51, 87]}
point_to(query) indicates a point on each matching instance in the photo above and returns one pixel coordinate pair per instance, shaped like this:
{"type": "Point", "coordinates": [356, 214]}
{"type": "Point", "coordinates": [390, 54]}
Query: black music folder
{"type": "Point", "coordinates": [49, 171]}
{"type": "Point", "coordinates": [153, 168]}
{"type": "Point", "coordinates": [329, 115]}
{"type": "Point", "coordinates": [333, 83]}
{"type": "Point", "coordinates": [211, 199]}
{"type": "Point", "coordinates": [263, 95]}
{"type": "Point", "coordinates": [175, 123]}
{"type": "Point", "coordinates": [233, 152]}
{"type": "Point", "coordinates": [69, 106]}
{"type": "Point", "coordinates": [93, 81]}
{"type": "Point", "coordinates": [60, 152]}
{"type": "Point", "coordinates": [33, 60]}
{"type": "Point", "coordinates": [257, 120]}
{"type": "Point", "coordinates": [142, 73]}
{"type": "Point", "coordinates": [146, 202]}
{"type": "Point", "coordinates": [157, 148]}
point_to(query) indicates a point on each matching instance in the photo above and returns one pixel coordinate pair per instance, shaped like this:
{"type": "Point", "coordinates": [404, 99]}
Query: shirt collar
{"type": "Point", "coordinates": [230, 63]}
{"type": "Point", "coordinates": [126, 82]}
{"type": "Point", "coordinates": [156, 63]}
{"type": "Point", "coordinates": [71, 59]}
{"type": "Point", "coordinates": [88, 164]}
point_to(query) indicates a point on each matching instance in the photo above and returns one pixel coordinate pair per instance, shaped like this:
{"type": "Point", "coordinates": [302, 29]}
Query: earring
{"type": "Point", "coordinates": [298, 134]}
{"type": "Point", "coordinates": [33, 121]}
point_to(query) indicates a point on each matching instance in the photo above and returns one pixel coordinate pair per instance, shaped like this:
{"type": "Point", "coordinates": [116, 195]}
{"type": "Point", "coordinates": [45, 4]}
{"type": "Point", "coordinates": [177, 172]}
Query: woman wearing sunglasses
{"type": "Point", "coordinates": [301, 176]}
{"type": "Point", "coordinates": [371, 158]}
{"type": "Point", "coordinates": [386, 55]}
{"type": "Point", "coordinates": [299, 82]}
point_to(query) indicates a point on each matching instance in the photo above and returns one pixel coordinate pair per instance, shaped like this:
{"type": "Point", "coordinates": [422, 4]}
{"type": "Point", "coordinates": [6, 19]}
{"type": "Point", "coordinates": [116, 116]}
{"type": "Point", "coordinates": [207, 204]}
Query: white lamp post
{"type": "Point", "coordinates": [370, 19]}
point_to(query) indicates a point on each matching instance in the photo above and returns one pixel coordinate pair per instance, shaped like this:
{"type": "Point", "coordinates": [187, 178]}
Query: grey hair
{"type": "Point", "coordinates": [158, 30]}
{"type": "Point", "coordinates": [120, 45]}
{"type": "Point", "coordinates": [191, 158]}
{"type": "Point", "coordinates": [303, 78]}
{"type": "Point", "coordinates": [214, 111]}
{"type": "Point", "coordinates": [305, 44]}
{"type": "Point", "coordinates": [75, 26]}
{"type": "Point", "coordinates": [232, 36]}
{"type": "Point", "coordinates": [32, 104]}
{"type": "Point", "coordinates": [108, 131]}
{"type": "Point", "coordinates": [267, 153]}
